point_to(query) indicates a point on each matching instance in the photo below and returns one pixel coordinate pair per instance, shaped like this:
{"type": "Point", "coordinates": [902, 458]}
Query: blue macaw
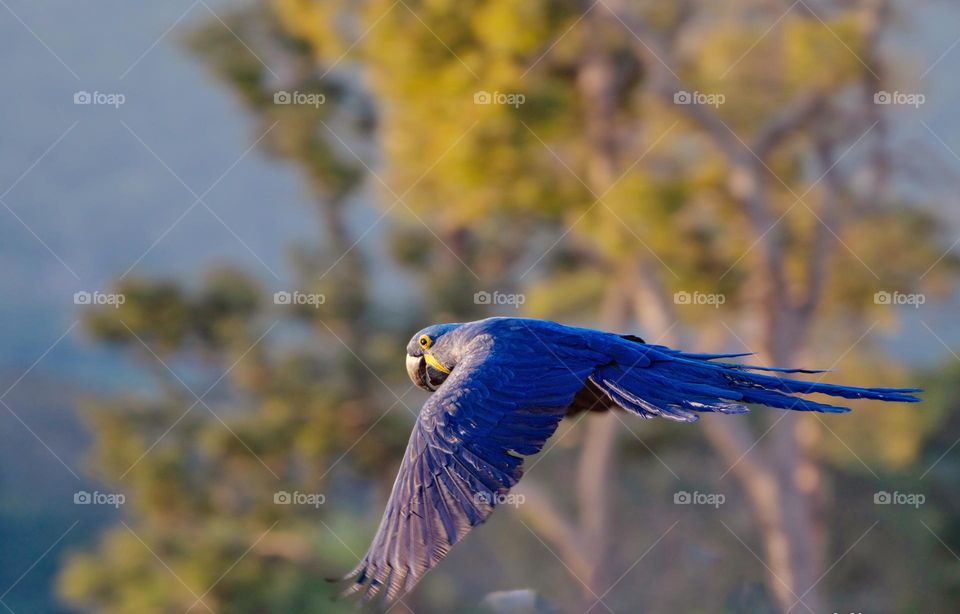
{"type": "Point", "coordinates": [501, 387]}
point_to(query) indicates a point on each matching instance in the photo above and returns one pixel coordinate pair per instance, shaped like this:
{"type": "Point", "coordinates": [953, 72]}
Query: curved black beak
{"type": "Point", "coordinates": [425, 372]}
{"type": "Point", "coordinates": [417, 370]}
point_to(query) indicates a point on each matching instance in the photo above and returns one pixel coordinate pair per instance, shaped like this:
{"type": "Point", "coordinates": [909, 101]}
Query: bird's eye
{"type": "Point", "coordinates": [425, 341]}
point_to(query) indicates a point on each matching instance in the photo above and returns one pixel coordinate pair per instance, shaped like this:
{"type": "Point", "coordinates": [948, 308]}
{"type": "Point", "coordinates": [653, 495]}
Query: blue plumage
{"type": "Point", "coordinates": [502, 385]}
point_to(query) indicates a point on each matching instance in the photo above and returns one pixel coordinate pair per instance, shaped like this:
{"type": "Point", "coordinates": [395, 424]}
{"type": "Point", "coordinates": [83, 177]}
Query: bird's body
{"type": "Point", "coordinates": [502, 385]}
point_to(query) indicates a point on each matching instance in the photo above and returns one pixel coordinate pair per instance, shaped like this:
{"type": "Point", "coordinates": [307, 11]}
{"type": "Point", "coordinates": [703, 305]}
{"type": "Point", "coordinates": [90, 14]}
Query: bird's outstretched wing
{"type": "Point", "coordinates": [502, 402]}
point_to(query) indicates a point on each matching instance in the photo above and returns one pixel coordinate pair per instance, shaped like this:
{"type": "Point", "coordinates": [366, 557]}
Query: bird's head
{"type": "Point", "coordinates": [430, 356]}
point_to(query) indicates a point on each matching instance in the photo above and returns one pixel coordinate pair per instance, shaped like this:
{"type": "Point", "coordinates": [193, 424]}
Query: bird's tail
{"type": "Point", "coordinates": [674, 385]}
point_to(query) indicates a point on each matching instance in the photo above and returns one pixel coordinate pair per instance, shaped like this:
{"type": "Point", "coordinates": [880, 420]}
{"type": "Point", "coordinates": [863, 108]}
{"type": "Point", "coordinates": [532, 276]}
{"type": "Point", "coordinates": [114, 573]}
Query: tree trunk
{"type": "Point", "coordinates": [599, 87]}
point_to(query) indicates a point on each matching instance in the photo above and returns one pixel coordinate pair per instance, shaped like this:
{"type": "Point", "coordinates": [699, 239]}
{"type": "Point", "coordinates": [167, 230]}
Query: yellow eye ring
{"type": "Point", "coordinates": [425, 341]}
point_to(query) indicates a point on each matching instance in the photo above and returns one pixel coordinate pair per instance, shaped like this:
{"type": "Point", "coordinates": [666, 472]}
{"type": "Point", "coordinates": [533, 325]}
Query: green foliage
{"type": "Point", "coordinates": [200, 475]}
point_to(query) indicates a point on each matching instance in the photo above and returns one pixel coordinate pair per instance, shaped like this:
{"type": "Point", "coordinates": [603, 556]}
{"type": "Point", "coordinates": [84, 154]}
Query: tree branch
{"type": "Point", "coordinates": [791, 118]}
{"type": "Point", "coordinates": [544, 516]}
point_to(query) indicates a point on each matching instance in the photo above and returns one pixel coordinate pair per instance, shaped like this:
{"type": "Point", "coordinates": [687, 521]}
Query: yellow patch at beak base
{"type": "Point", "coordinates": [433, 362]}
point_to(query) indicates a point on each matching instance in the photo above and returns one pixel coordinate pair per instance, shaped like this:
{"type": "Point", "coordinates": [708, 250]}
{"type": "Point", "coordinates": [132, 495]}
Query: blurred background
{"type": "Point", "coordinates": [220, 223]}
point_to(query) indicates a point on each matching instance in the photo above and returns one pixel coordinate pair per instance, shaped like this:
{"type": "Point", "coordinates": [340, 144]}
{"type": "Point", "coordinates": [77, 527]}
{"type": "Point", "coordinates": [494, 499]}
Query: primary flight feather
{"type": "Point", "coordinates": [502, 385]}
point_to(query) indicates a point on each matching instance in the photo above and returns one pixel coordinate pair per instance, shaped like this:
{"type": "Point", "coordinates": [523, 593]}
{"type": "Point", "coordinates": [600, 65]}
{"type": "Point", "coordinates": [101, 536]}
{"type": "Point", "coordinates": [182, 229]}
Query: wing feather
{"type": "Point", "coordinates": [501, 402]}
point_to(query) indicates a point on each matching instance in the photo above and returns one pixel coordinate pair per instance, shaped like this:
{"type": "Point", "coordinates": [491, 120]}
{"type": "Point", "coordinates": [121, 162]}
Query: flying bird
{"type": "Point", "coordinates": [500, 388]}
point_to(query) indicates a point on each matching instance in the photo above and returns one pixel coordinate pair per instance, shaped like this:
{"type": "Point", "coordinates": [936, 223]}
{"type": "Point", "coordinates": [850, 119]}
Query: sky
{"type": "Point", "coordinates": [93, 192]}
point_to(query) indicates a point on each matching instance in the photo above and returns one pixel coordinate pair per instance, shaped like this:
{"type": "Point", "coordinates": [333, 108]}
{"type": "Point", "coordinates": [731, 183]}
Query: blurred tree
{"type": "Point", "coordinates": [608, 159]}
{"type": "Point", "coordinates": [237, 416]}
